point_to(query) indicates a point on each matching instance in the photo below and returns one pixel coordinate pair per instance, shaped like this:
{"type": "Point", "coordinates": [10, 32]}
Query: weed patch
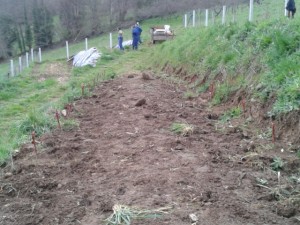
{"type": "Point", "coordinates": [183, 129]}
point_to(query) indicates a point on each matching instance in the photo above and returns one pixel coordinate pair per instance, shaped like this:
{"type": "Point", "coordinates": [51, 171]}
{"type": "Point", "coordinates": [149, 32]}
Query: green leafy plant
{"type": "Point", "coordinates": [123, 215]}
{"type": "Point", "coordinates": [232, 113]}
{"type": "Point", "coordinates": [277, 164]}
{"type": "Point", "coordinates": [183, 129]}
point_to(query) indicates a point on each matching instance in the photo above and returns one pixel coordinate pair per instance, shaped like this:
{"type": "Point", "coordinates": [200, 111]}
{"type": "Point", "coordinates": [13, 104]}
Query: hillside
{"type": "Point", "coordinates": [204, 128]}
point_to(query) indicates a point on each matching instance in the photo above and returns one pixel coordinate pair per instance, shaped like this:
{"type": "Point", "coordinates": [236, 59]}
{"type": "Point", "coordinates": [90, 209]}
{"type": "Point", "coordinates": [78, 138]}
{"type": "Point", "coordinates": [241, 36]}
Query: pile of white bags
{"type": "Point", "coordinates": [88, 57]}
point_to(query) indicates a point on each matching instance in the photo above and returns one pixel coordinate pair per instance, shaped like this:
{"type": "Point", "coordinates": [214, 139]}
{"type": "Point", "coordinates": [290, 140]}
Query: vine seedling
{"type": "Point", "coordinates": [33, 141]}
{"type": "Point", "coordinates": [273, 132]}
{"type": "Point", "coordinates": [82, 89]}
{"type": "Point", "coordinates": [57, 118]}
{"type": "Point", "coordinates": [212, 90]}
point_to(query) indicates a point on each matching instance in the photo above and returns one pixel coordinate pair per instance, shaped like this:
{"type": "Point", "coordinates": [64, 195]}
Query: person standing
{"type": "Point", "coordinates": [135, 37]}
{"type": "Point", "coordinates": [291, 8]}
{"type": "Point", "coordinates": [120, 39]}
{"type": "Point", "coordinates": [140, 31]}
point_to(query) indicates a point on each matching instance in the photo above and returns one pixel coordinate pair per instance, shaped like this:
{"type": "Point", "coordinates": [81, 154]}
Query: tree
{"type": "Point", "coordinates": [8, 34]}
{"type": "Point", "coordinates": [42, 26]}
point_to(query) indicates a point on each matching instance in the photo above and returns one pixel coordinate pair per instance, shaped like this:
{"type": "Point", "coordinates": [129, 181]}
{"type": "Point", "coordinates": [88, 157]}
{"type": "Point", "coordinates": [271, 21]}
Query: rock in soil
{"type": "Point", "coordinates": [140, 102]}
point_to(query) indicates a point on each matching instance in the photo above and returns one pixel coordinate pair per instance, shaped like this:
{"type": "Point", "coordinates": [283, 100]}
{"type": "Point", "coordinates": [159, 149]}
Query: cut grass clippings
{"type": "Point", "coordinates": [123, 215]}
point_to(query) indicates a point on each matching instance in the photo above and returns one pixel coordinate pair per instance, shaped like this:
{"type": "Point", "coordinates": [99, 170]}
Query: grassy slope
{"type": "Point", "coordinates": [240, 52]}
{"type": "Point", "coordinates": [242, 55]}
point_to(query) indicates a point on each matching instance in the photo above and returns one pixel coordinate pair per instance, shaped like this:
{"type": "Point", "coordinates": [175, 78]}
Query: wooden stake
{"type": "Point", "coordinates": [57, 118]}
{"type": "Point", "coordinates": [273, 132]}
{"type": "Point", "coordinates": [244, 106]}
{"type": "Point", "coordinates": [212, 90]}
{"type": "Point", "coordinates": [69, 109]}
{"type": "Point", "coordinates": [82, 89]}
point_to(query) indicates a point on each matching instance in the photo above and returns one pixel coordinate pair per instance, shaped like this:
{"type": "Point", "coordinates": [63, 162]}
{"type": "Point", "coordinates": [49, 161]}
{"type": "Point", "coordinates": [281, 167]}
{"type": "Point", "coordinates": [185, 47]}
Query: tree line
{"type": "Point", "coordinates": [26, 24]}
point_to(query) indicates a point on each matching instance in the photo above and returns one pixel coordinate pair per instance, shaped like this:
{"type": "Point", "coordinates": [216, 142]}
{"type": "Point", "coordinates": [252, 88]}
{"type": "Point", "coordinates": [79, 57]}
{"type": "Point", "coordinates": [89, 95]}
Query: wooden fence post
{"type": "Point", "coordinates": [285, 11]}
{"type": "Point", "coordinates": [224, 15]}
{"type": "Point", "coordinates": [67, 49]}
{"type": "Point", "coordinates": [27, 59]}
{"type": "Point", "coordinates": [32, 57]}
{"type": "Point", "coordinates": [110, 41]}
{"type": "Point", "coordinates": [20, 64]}
{"type": "Point", "coordinates": [194, 18]}
{"type": "Point", "coordinates": [12, 71]}
{"type": "Point", "coordinates": [251, 11]}
{"type": "Point", "coordinates": [206, 17]}
{"type": "Point", "coordinates": [86, 44]}
{"type": "Point", "coordinates": [40, 55]}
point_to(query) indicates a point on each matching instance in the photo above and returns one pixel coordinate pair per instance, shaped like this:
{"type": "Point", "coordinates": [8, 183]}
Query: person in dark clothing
{"type": "Point", "coordinates": [120, 39]}
{"type": "Point", "coordinates": [291, 8]}
{"type": "Point", "coordinates": [140, 31]}
{"type": "Point", "coordinates": [135, 37]}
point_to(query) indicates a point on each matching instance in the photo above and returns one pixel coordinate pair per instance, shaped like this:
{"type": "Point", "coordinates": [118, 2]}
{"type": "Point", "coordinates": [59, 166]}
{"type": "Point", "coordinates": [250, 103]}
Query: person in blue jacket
{"type": "Point", "coordinates": [135, 37]}
{"type": "Point", "coordinates": [140, 31]}
{"type": "Point", "coordinates": [120, 39]}
{"type": "Point", "coordinates": [291, 8]}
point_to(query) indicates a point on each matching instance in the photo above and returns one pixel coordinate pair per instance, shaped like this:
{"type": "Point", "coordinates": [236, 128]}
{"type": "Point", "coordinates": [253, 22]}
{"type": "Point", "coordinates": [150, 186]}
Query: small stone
{"type": "Point", "coordinates": [140, 102]}
{"type": "Point", "coordinates": [59, 185]}
{"type": "Point", "coordinates": [193, 217]}
{"type": "Point", "coordinates": [64, 112]}
{"type": "Point", "coordinates": [7, 175]}
{"type": "Point", "coordinates": [179, 147]}
{"type": "Point", "coordinates": [130, 76]}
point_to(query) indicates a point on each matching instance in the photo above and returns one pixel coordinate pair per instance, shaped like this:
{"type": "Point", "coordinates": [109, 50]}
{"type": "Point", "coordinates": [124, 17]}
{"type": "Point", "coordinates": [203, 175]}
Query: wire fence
{"type": "Point", "coordinates": [255, 11]}
{"type": "Point", "coordinates": [17, 65]}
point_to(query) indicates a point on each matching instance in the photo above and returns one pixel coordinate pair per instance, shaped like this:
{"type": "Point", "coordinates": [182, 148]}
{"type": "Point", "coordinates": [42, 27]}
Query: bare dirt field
{"type": "Point", "coordinates": [124, 152]}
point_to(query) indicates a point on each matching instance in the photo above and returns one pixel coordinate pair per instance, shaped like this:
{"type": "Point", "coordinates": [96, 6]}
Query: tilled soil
{"type": "Point", "coordinates": [124, 152]}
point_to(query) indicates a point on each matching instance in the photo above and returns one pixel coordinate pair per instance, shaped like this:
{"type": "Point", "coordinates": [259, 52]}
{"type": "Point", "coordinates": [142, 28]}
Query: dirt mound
{"type": "Point", "coordinates": [127, 154]}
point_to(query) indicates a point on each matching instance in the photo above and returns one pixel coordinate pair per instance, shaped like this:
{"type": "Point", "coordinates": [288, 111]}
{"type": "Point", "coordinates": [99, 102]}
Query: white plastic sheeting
{"type": "Point", "coordinates": [125, 43]}
{"type": "Point", "coordinates": [88, 57]}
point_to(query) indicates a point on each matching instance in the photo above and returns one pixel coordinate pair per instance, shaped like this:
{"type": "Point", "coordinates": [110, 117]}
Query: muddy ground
{"type": "Point", "coordinates": [124, 152]}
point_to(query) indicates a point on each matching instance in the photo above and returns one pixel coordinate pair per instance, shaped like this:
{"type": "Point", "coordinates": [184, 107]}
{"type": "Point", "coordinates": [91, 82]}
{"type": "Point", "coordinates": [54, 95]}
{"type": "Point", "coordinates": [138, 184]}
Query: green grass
{"type": "Point", "coordinates": [277, 164]}
{"type": "Point", "coordinates": [242, 55]}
